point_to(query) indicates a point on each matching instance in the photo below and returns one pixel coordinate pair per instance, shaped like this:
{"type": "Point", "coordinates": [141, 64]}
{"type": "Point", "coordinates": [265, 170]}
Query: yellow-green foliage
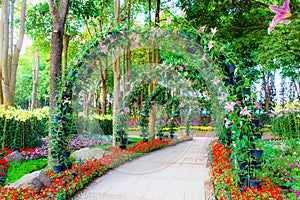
{"type": "Point", "coordinates": [23, 115]}
{"type": "Point", "coordinates": [22, 128]}
{"type": "Point", "coordinates": [26, 128]}
{"type": "Point", "coordinates": [203, 128]}
{"type": "Point", "coordinates": [200, 128]}
{"type": "Point", "coordinates": [102, 117]}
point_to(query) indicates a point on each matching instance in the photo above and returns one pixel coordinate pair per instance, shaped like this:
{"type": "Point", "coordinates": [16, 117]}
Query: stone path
{"type": "Point", "coordinates": [173, 173]}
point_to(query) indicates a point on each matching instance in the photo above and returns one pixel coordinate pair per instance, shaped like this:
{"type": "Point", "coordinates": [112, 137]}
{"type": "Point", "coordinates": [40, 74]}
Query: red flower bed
{"type": "Point", "coordinates": [227, 184]}
{"type": "Point", "coordinates": [4, 152]}
{"type": "Point", "coordinates": [143, 147]}
{"type": "Point", "coordinates": [65, 184]}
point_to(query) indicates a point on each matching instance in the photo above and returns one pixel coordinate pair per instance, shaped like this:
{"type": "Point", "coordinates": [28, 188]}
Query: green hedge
{"type": "Point", "coordinates": [23, 128]}
{"type": "Point", "coordinates": [285, 125]}
{"type": "Point", "coordinates": [97, 124]}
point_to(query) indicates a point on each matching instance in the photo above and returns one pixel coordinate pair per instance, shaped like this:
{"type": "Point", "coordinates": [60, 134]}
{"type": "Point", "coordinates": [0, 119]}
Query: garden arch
{"type": "Point", "coordinates": [198, 59]}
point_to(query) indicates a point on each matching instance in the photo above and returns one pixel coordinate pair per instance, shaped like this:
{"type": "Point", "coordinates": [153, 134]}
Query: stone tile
{"type": "Point", "coordinates": [173, 173]}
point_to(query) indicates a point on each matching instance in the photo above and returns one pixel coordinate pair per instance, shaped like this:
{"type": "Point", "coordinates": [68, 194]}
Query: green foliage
{"type": "Point", "coordinates": [281, 163]}
{"type": "Point", "coordinates": [286, 125]}
{"type": "Point", "coordinates": [20, 128]}
{"type": "Point", "coordinates": [242, 25]}
{"type": "Point", "coordinates": [24, 82]}
{"type": "Point", "coordinates": [18, 169]}
{"type": "Point", "coordinates": [96, 125]}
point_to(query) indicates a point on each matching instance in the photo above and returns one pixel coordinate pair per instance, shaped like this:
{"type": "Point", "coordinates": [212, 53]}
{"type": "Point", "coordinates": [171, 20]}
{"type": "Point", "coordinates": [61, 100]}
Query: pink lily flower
{"type": "Point", "coordinates": [283, 12]}
{"type": "Point", "coordinates": [103, 48]}
{"type": "Point", "coordinates": [181, 13]}
{"type": "Point", "coordinates": [204, 57]}
{"type": "Point", "coordinates": [210, 45]}
{"type": "Point", "coordinates": [169, 21]}
{"type": "Point", "coordinates": [245, 112]}
{"type": "Point", "coordinates": [201, 30]}
{"type": "Point", "coordinates": [230, 106]}
{"type": "Point", "coordinates": [159, 32]}
{"type": "Point", "coordinates": [216, 81]}
{"type": "Point", "coordinates": [213, 31]}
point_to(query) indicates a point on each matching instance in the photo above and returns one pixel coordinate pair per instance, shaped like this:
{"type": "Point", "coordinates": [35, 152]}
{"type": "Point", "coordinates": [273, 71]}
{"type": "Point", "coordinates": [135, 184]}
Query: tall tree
{"type": "Point", "coordinates": [34, 102]}
{"type": "Point", "coordinates": [59, 11]}
{"type": "Point", "coordinates": [10, 53]}
{"type": "Point", "coordinates": [59, 14]}
{"type": "Point", "coordinates": [116, 71]}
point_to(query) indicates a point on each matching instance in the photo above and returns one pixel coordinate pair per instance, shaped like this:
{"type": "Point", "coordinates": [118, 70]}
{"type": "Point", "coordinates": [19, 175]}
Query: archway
{"type": "Point", "coordinates": [198, 59]}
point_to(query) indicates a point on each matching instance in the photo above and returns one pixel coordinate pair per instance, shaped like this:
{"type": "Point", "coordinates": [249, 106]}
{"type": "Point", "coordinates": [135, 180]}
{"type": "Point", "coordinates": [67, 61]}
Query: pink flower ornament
{"type": "Point", "coordinates": [201, 30]}
{"type": "Point", "coordinates": [283, 13]}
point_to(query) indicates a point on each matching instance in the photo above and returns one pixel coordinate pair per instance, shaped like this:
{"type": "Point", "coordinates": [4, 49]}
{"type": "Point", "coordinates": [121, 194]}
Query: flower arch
{"type": "Point", "coordinates": [198, 55]}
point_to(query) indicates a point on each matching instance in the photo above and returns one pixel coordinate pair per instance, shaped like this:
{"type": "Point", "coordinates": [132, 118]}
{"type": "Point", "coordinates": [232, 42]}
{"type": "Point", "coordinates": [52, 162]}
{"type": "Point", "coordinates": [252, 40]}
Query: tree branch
{"type": "Point", "coordinates": [249, 13]}
{"type": "Point", "coordinates": [52, 8]}
{"type": "Point", "coordinates": [63, 9]}
{"type": "Point", "coordinates": [259, 3]}
{"type": "Point", "coordinates": [250, 27]}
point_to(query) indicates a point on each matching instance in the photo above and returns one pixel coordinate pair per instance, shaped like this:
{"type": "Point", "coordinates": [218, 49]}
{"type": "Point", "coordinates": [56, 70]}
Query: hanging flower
{"type": "Point", "coordinates": [181, 13]}
{"type": "Point", "coordinates": [201, 30]}
{"type": "Point", "coordinates": [169, 21]}
{"type": "Point", "coordinates": [245, 112]}
{"type": "Point", "coordinates": [257, 106]}
{"type": "Point", "coordinates": [103, 49]}
{"type": "Point", "coordinates": [127, 110]}
{"type": "Point", "coordinates": [227, 122]}
{"type": "Point", "coordinates": [230, 106]}
{"type": "Point", "coordinates": [137, 22]}
{"type": "Point", "coordinates": [210, 45]}
{"type": "Point", "coordinates": [159, 32]}
{"type": "Point", "coordinates": [216, 80]}
{"type": "Point", "coordinates": [283, 13]}
{"type": "Point", "coordinates": [151, 37]}
{"type": "Point", "coordinates": [213, 31]}
{"type": "Point", "coordinates": [204, 57]}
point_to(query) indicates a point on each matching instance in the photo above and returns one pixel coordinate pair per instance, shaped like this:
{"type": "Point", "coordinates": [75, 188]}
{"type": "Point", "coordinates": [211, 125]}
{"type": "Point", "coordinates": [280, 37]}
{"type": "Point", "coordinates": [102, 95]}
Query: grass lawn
{"type": "Point", "coordinates": [135, 140]}
{"type": "Point", "coordinates": [17, 169]}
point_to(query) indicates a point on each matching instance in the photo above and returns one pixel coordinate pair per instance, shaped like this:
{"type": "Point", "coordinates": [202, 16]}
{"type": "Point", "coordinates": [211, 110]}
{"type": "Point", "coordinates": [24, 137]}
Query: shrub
{"type": "Point", "coordinates": [285, 125]}
{"type": "Point", "coordinates": [26, 128]}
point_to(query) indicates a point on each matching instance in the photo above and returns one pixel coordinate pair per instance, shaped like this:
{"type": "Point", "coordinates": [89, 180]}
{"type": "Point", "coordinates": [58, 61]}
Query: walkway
{"type": "Point", "coordinates": [173, 173]}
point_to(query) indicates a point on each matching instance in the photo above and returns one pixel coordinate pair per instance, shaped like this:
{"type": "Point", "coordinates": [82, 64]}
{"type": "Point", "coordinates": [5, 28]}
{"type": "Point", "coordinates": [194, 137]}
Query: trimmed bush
{"type": "Point", "coordinates": [26, 128]}
{"type": "Point", "coordinates": [285, 125]}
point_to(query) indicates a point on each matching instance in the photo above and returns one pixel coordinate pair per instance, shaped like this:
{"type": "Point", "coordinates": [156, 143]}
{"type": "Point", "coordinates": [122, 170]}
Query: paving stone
{"type": "Point", "coordinates": [173, 173]}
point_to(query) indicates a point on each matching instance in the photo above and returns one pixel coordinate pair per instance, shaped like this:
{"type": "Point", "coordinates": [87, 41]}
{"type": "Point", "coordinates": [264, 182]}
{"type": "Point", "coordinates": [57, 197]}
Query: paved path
{"type": "Point", "coordinates": [173, 173]}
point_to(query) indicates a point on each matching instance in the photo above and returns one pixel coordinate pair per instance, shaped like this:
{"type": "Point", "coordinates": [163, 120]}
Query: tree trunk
{"type": "Point", "coordinates": [17, 50]}
{"type": "Point", "coordinates": [59, 14]}
{"type": "Point", "coordinates": [149, 12]}
{"type": "Point", "coordinates": [59, 18]}
{"type": "Point", "coordinates": [11, 35]}
{"type": "Point", "coordinates": [67, 39]}
{"type": "Point", "coordinates": [2, 30]}
{"type": "Point", "coordinates": [4, 56]}
{"type": "Point", "coordinates": [116, 75]}
{"type": "Point", "coordinates": [155, 59]}
{"type": "Point", "coordinates": [104, 92]}
{"type": "Point", "coordinates": [34, 103]}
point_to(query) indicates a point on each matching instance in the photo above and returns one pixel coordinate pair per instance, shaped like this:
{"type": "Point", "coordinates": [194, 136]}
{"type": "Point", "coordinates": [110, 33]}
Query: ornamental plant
{"type": "Point", "coordinates": [4, 165]}
{"type": "Point", "coordinates": [282, 163]}
{"type": "Point", "coordinates": [226, 181]}
{"type": "Point", "coordinates": [65, 184]}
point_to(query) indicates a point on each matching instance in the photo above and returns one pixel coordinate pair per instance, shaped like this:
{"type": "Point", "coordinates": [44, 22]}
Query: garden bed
{"type": "Point", "coordinates": [279, 177]}
{"type": "Point", "coordinates": [65, 184]}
